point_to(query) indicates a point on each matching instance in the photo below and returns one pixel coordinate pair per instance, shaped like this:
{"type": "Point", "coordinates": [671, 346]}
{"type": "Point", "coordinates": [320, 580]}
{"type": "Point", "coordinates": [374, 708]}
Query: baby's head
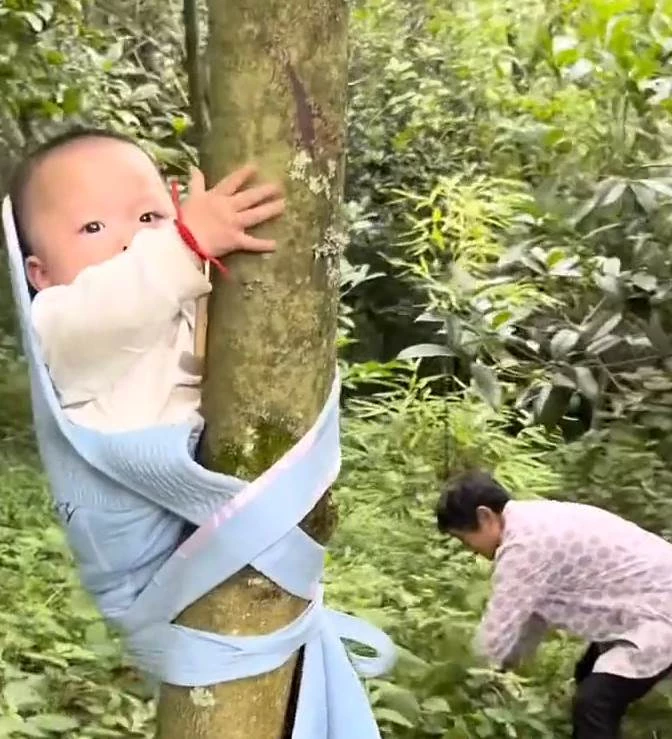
{"type": "Point", "coordinates": [79, 199]}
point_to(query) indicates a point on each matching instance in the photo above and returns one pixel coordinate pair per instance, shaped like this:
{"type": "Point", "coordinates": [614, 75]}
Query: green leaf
{"type": "Point", "coordinates": [580, 69]}
{"type": "Point", "coordinates": [54, 57]}
{"type": "Point", "coordinates": [392, 717]}
{"type": "Point", "coordinates": [56, 722]}
{"type": "Point", "coordinates": [409, 660]}
{"type": "Point", "coordinates": [96, 633]}
{"type": "Point", "coordinates": [453, 329]}
{"type": "Point", "coordinates": [644, 197]}
{"type": "Point", "coordinates": [566, 268]}
{"type": "Point", "coordinates": [551, 404]}
{"type": "Point", "coordinates": [29, 729]}
{"type": "Point", "coordinates": [600, 325]}
{"type": "Point", "coordinates": [611, 266]}
{"type": "Point", "coordinates": [657, 334]}
{"type": "Point", "coordinates": [500, 318]}
{"type": "Point", "coordinates": [436, 704]}
{"type": "Point", "coordinates": [21, 694]}
{"type": "Point", "coordinates": [587, 383]}
{"type": "Point", "coordinates": [72, 100]}
{"type": "Point", "coordinates": [147, 91]}
{"type": "Point", "coordinates": [563, 342]}
{"type": "Point", "coordinates": [601, 192]}
{"type": "Point", "coordinates": [33, 20]}
{"type": "Point", "coordinates": [421, 351]}
{"type": "Point", "coordinates": [487, 384]}
{"type": "Point", "coordinates": [614, 194]}
{"type": "Point", "coordinates": [114, 52]}
{"type": "Point", "coordinates": [603, 344]}
{"type": "Point", "coordinates": [10, 725]}
{"type": "Point", "coordinates": [560, 379]}
{"type": "Point", "coordinates": [563, 43]}
{"type": "Point", "coordinates": [400, 700]}
{"type": "Point", "coordinates": [658, 186]}
{"type": "Point", "coordinates": [129, 119]}
{"type": "Point", "coordinates": [180, 125]}
{"type": "Point", "coordinates": [586, 209]}
{"type": "Point", "coordinates": [645, 282]}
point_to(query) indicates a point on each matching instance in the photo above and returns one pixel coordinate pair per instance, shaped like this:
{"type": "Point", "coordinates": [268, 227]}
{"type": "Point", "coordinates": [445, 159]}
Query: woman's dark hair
{"type": "Point", "coordinates": [18, 188]}
{"type": "Point", "coordinates": [462, 496]}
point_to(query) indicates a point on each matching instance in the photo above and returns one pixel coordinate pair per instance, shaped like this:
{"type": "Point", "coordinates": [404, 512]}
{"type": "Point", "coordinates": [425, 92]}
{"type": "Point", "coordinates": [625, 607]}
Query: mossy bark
{"type": "Point", "coordinates": [278, 84]}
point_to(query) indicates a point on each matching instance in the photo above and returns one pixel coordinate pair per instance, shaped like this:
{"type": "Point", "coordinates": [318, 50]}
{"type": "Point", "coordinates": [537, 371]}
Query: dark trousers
{"type": "Point", "coordinates": [602, 700]}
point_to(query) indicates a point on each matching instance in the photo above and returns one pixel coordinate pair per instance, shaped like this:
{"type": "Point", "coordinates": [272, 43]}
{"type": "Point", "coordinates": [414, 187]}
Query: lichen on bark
{"type": "Point", "coordinates": [278, 81]}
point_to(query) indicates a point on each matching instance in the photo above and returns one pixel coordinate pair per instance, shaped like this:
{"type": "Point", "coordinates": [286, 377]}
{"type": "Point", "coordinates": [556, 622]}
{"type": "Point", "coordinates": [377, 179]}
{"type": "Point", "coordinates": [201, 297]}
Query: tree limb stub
{"type": "Point", "coordinates": [278, 93]}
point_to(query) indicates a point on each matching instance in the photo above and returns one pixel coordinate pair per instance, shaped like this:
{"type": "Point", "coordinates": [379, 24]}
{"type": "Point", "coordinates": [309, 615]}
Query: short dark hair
{"type": "Point", "coordinates": [463, 495]}
{"type": "Point", "coordinates": [18, 188]}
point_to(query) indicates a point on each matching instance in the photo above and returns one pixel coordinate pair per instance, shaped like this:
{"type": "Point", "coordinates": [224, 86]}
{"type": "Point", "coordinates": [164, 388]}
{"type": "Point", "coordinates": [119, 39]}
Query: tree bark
{"type": "Point", "coordinates": [277, 97]}
{"type": "Point", "coordinates": [194, 65]}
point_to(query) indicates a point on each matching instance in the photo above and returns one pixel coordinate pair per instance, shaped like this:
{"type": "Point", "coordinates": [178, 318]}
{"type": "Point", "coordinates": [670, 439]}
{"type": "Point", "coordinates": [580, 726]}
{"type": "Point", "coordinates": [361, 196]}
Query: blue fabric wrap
{"type": "Point", "coordinates": [125, 500]}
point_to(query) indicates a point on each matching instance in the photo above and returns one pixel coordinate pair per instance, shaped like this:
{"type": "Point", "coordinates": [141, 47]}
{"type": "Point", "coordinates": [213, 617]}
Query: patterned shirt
{"type": "Point", "coordinates": [582, 569]}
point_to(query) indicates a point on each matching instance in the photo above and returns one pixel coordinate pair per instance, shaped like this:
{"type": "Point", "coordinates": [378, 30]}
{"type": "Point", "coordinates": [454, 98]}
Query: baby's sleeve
{"type": "Point", "coordinates": [93, 329]}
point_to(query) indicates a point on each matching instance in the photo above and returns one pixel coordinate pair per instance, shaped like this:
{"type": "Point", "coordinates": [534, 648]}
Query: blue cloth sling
{"type": "Point", "coordinates": [126, 501]}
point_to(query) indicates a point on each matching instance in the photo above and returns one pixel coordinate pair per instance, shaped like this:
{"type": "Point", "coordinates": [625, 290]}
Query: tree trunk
{"type": "Point", "coordinates": [194, 65]}
{"type": "Point", "coordinates": [277, 94]}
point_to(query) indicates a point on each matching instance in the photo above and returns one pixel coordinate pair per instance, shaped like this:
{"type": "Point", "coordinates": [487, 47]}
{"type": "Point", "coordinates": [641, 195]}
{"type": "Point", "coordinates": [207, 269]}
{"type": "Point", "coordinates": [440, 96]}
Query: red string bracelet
{"type": "Point", "coordinates": [189, 238]}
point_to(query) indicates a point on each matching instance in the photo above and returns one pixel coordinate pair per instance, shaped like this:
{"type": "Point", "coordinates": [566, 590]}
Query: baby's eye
{"type": "Point", "coordinates": [150, 217]}
{"type": "Point", "coordinates": [93, 227]}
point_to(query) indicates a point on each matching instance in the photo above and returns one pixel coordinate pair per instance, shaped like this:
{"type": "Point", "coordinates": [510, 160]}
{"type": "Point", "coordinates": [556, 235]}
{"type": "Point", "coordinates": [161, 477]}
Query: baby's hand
{"type": "Point", "coordinates": [219, 217]}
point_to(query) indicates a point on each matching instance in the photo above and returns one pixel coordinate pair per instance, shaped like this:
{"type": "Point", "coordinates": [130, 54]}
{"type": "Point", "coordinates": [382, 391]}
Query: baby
{"type": "Point", "coordinates": [116, 281]}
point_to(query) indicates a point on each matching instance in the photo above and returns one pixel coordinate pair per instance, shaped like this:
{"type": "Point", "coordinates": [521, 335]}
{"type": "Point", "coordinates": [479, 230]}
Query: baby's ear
{"type": "Point", "coordinates": [36, 273]}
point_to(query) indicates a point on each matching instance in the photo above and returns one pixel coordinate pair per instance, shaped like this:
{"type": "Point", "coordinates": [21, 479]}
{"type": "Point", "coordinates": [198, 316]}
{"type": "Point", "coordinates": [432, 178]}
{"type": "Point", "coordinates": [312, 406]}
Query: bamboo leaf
{"type": "Point", "coordinates": [487, 384]}
{"type": "Point", "coordinates": [423, 351]}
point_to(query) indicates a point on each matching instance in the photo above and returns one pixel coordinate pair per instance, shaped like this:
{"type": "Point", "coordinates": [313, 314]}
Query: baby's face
{"type": "Point", "coordinates": [85, 203]}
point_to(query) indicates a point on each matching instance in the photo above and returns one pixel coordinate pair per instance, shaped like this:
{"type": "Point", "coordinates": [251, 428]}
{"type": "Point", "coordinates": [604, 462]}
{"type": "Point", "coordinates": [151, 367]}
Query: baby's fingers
{"type": "Point", "coordinates": [254, 196]}
{"type": "Point", "coordinates": [231, 184]}
{"type": "Point", "coordinates": [261, 214]}
{"type": "Point", "coordinates": [250, 243]}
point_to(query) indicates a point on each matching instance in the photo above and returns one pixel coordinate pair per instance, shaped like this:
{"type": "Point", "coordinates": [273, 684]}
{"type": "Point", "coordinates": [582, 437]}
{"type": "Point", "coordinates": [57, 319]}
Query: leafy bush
{"type": "Point", "coordinates": [60, 672]}
{"type": "Point", "coordinates": [621, 472]}
{"type": "Point", "coordinates": [388, 564]}
{"type": "Point", "coordinates": [61, 669]}
{"type": "Point", "coordinates": [56, 67]}
{"type": "Point", "coordinates": [531, 146]}
{"type": "Point", "coordinates": [395, 447]}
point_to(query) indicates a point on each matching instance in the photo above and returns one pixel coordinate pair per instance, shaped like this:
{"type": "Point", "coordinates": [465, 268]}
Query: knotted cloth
{"type": "Point", "coordinates": [126, 501]}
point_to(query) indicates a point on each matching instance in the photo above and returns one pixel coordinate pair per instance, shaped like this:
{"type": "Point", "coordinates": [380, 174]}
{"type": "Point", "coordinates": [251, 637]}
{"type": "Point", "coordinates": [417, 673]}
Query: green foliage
{"type": "Point", "coordinates": [530, 143]}
{"type": "Point", "coordinates": [58, 68]}
{"type": "Point", "coordinates": [624, 473]}
{"type": "Point", "coordinates": [388, 564]}
{"type": "Point", "coordinates": [60, 672]}
{"type": "Point", "coordinates": [510, 173]}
